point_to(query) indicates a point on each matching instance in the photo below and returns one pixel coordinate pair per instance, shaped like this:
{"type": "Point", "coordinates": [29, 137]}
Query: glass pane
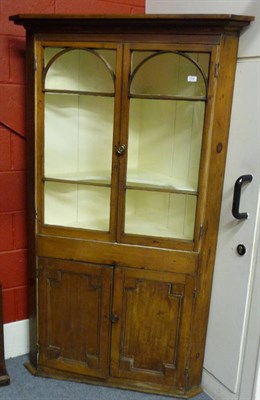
{"type": "Point", "coordinates": [78, 136]}
{"type": "Point", "coordinates": [169, 74]}
{"type": "Point", "coordinates": [81, 70]}
{"type": "Point", "coordinates": [202, 60]}
{"type": "Point", "coordinates": [73, 205]}
{"type": "Point", "coordinates": [165, 143]}
{"type": "Point", "coordinates": [160, 214]}
{"type": "Point", "coordinates": [50, 52]}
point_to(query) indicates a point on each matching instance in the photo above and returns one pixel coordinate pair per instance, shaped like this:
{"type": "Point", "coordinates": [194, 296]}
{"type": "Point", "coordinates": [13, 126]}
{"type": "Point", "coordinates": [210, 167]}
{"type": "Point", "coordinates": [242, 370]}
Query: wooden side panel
{"type": "Point", "coordinates": [149, 339]}
{"type": "Point", "coordinates": [224, 83]}
{"type": "Point", "coordinates": [31, 191]}
{"type": "Point", "coordinates": [74, 309]}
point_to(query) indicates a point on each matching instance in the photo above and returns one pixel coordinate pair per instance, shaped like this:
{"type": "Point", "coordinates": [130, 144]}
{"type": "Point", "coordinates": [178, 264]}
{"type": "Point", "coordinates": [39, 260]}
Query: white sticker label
{"type": "Point", "coordinates": [192, 78]}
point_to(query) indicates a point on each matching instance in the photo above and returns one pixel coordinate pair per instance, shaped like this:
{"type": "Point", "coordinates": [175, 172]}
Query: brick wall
{"type": "Point", "coordinates": [13, 256]}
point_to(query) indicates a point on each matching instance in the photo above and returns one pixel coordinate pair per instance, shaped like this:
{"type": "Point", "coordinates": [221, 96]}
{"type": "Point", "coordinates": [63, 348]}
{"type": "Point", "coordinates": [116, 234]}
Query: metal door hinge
{"type": "Point", "coordinates": [194, 295]}
{"type": "Point", "coordinates": [35, 64]}
{"type": "Point", "coordinates": [201, 232]}
{"type": "Point", "coordinates": [216, 70]}
{"type": "Point", "coordinates": [186, 377]}
{"type": "Point", "coordinates": [37, 352]}
{"type": "Point", "coordinates": [35, 215]}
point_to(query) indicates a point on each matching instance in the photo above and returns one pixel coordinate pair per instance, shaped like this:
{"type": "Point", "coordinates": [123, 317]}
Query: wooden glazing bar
{"type": "Point", "coordinates": [166, 97]}
{"type": "Point", "coordinates": [78, 92]}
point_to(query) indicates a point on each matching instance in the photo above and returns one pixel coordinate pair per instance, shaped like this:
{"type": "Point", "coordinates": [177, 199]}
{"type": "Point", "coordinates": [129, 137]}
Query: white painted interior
{"type": "Point", "coordinates": [231, 358]}
{"type": "Point", "coordinates": [167, 163]}
{"type": "Point", "coordinates": [78, 133]}
{"type": "Point", "coordinates": [90, 72]}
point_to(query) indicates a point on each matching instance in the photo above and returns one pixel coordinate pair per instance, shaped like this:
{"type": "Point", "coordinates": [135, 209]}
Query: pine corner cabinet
{"type": "Point", "coordinates": [127, 122]}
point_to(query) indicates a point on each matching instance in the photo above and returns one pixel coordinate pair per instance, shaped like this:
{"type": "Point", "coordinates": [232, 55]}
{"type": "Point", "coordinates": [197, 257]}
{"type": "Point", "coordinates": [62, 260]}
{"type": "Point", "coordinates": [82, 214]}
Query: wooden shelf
{"type": "Point", "coordinates": [78, 92]}
{"type": "Point", "coordinates": [136, 180]}
{"type": "Point", "coordinates": [103, 181]}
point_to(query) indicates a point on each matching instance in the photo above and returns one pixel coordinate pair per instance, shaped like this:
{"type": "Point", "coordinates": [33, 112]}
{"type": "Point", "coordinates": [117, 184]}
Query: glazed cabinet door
{"type": "Point", "coordinates": [150, 333]}
{"type": "Point", "coordinates": [78, 108]}
{"type": "Point", "coordinates": [165, 114]}
{"type": "Point", "coordinates": [122, 153]}
{"type": "Point", "coordinates": [74, 311]}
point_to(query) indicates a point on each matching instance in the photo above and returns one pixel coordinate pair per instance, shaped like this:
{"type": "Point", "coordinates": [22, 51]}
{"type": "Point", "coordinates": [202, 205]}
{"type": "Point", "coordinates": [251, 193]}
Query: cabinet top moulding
{"type": "Point", "coordinates": [177, 23]}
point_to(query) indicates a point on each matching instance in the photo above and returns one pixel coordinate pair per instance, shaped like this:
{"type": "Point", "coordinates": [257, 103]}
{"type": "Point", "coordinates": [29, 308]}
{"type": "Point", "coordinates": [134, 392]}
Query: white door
{"type": "Point", "coordinates": [234, 273]}
{"type": "Point", "coordinates": [233, 333]}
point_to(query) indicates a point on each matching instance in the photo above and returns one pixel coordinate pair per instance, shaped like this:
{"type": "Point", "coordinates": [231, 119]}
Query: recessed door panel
{"type": "Point", "coordinates": [74, 308]}
{"type": "Point", "coordinates": [150, 333]}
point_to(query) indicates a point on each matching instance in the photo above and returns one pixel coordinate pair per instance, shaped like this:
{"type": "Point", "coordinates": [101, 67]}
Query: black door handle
{"type": "Point", "coordinates": [237, 194]}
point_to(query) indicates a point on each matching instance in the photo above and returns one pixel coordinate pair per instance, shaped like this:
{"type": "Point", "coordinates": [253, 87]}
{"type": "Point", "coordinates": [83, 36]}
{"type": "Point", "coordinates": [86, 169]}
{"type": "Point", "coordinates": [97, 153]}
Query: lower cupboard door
{"type": "Point", "coordinates": [74, 311]}
{"type": "Point", "coordinates": [151, 330]}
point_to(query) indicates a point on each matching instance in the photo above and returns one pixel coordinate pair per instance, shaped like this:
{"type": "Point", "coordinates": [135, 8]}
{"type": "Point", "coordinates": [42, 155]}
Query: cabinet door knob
{"type": "Point", "coordinates": [121, 149]}
{"type": "Point", "coordinates": [114, 318]}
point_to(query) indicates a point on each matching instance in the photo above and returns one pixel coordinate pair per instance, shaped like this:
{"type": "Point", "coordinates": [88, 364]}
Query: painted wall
{"type": "Point", "coordinates": [249, 43]}
{"type": "Point", "coordinates": [13, 255]}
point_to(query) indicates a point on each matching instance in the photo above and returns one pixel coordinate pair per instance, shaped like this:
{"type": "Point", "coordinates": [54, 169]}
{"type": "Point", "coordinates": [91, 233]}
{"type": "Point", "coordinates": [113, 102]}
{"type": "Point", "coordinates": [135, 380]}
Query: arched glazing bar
{"type": "Point", "coordinates": [90, 51]}
{"type": "Point", "coordinates": [185, 56]}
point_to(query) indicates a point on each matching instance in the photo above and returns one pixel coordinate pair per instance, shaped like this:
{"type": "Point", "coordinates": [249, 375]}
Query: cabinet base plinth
{"type": "Point", "coordinates": [114, 382]}
{"type": "Point", "coordinates": [30, 367]}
